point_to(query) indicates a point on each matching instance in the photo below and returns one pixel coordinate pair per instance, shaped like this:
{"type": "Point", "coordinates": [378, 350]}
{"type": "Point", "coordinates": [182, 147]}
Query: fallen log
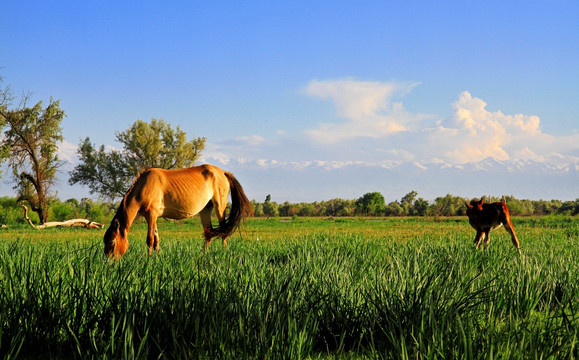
{"type": "Point", "coordinates": [85, 223]}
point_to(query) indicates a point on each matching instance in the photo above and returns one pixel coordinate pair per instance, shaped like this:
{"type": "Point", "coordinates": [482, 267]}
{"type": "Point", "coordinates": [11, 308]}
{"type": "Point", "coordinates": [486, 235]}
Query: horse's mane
{"type": "Point", "coordinates": [121, 213]}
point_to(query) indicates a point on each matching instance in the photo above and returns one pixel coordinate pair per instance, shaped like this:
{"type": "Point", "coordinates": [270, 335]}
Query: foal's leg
{"type": "Point", "coordinates": [487, 238]}
{"type": "Point", "coordinates": [511, 230]}
{"type": "Point", "coordinates": [478, 238]}
{"type": "Point", "coordinates": [505, 219]}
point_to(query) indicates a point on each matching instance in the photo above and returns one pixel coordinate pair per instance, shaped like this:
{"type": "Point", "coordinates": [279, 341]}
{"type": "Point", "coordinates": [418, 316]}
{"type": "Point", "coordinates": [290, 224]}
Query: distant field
{"type": "Point", "coordinates": [295, 288]}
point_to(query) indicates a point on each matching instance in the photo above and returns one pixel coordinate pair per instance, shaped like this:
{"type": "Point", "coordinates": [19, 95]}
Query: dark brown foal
{"type": "Point", "coordinates": [484, 217]}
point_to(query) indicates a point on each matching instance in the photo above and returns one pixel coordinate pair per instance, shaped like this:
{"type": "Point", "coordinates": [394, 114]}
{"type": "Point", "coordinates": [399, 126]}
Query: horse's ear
{"type": "Point", "coordinates": [482, 200]}
{"type": "Point", "coordinates": [468, 205]}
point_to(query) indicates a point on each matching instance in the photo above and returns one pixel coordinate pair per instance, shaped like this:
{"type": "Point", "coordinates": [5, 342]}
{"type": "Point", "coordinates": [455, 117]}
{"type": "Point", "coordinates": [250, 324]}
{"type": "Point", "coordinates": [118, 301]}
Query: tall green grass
{"type": "Point", "coordinates": [403, 288]}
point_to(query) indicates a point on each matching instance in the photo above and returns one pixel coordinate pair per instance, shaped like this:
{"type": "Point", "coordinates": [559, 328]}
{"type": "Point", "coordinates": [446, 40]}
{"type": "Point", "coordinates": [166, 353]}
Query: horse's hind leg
{"type": "Point", "coordinates": [220, 202]}
{"type": "Point", "coordinates": [205, 215]}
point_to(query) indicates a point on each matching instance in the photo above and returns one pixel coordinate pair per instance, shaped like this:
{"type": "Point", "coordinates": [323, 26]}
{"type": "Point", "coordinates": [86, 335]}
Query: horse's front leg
{"type": "Point", "coordinates": [156, 240]}
{"type": "Point", "coordinates": [152, 235]}
{"type": "Point", "coordinates": [207, 234]}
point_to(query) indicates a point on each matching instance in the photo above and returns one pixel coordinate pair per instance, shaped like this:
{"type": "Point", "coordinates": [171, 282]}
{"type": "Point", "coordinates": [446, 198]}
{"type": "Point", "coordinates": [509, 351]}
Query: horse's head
{"type": "Point", "coordinates": [115, 239]}
{"type": "Point", "coordinates": [475, 205]}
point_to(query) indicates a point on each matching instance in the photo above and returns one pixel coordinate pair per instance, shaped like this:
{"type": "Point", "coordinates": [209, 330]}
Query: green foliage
{"type": "Point", "coordinates": [31, 140]}
{"type": "Point", "coordinates": [157, 144]}
{"type": "Point", "coordinates": [569, 207]}
{"type": "Point", "coordinates": [412, 205]}
{"type": "Point", "coordinates": [344, 288]}
{"type": "Point", "coordinates": [104, 173]}
{"type": "Point", "coordinates": [448, 205]}
{"type": "Point", "coordinates": [63, 211]}
{"type": "Point", "coordinates": [420, 207]}
{"type": "Point", "coordinates": [270, 208]}
{"type": "Point", "coordinates": [372, 204]}
{"type": "Point", "coordinates": [11, 213]}
{"type": "Point", "coordinates": [154, 144]}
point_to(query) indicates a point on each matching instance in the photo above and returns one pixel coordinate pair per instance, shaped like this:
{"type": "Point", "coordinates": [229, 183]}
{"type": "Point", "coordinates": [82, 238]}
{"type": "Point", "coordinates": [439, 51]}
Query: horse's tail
{"type": "Point", "coordinates": [241, 207]}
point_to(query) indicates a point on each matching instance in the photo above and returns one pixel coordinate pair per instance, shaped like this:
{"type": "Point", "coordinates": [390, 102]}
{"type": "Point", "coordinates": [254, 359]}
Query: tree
{"type": "Point", "coordinates": [406, 202]}
{"type": "Point", "coordinates": [145, 145]}
{"type": "Point", "coordinates": [31, 141]}
{"type": "Point", "coordinates": [157, 144]}
{"type": "Point", "coordinates": [448, 205]}
{"type": "Point", "coordinates": [393, 209]}
{"type": "Point", "coordinates": [371, 204]}
{"type": "Point", "coordinates": [105, 173]}
{"type": "Point", "coordinates": [420, 207]}
{"type": "Point", "coordinates": [270, 208]}
{"type": "Point", "coordinates": [409, 198]}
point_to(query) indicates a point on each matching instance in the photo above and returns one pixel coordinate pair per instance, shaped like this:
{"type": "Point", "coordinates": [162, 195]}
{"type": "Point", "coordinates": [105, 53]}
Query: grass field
{"type": "Point", "coordinates": [295, 288]}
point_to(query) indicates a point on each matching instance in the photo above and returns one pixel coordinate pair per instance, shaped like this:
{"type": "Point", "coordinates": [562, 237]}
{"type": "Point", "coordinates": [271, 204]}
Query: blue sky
{"type": "Point", "coordinates": [300, 98]}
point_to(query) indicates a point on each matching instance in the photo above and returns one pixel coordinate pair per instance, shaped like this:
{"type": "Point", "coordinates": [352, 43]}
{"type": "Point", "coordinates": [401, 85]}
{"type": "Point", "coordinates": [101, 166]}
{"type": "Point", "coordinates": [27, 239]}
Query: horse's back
{"type": "Point", "coordinates": [180, 193]}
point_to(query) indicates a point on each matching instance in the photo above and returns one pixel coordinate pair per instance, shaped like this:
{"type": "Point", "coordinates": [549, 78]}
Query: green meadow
{"type": "Point", "coordinates": [295, 288]}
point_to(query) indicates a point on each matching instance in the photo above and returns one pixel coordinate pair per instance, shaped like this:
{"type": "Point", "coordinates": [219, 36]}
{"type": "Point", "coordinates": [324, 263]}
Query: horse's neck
{"type": "Point", "coordinates": [127, 213]}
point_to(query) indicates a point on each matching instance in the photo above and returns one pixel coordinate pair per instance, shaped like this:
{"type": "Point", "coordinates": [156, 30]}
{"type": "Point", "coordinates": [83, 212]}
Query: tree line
{"type": "Point", "coordinates": [370, 204]}
{"type": "Point", "coordinates": [374, 204]}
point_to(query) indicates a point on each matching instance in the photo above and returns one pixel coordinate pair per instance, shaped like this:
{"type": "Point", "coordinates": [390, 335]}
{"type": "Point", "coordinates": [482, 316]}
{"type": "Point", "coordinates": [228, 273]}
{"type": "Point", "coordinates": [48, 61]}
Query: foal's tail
{"type": "Point", "coordinates": [241, 207]}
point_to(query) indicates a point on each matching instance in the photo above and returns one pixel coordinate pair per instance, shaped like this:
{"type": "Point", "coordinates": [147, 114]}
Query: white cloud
{"type": "Point", "coordinates": [252, 140]}
{"type": "Point", "coordinates": [68, 152]}
{"type": "Point", "coordinates": [473, 133]}
{"type": "Point", "coordinates": [365, 105]}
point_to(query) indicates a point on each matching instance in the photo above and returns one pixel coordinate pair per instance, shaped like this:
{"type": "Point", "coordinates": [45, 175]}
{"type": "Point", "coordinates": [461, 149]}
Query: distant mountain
{"type": "Point", "coordinates": [319, 180]}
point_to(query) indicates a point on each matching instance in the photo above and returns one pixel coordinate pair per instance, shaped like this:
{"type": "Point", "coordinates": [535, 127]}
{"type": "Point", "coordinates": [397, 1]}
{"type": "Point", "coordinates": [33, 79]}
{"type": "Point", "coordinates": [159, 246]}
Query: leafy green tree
{"type": "Point", "coordinates": [406, 203]}
{"type": "Point", "coordinates": [371, 204]}
{"type": "Point", "coordinates": [448, 205]}
{"type": "Point", "coordinates": [31, 140]}
{"type": "Point", "coordinates": [288, 209]}
{"type": "Point", "coordinates": [145, 145]}
{"type": "Point", "coordinates": [393, 209]}
{"type": "Point", "coordinates": [257, 208]}
{"type": "Point", "coordinates": [106, 173]}
{"type": "Point", "coordinates": [270, 208]}
{"type": "Point", "coordinates": [420, 207]}
{"type": "Point", "coordinates": [409, 198]}
{"type": "Point", "coordinates": [570, 207]}
{"type": "Point", "coordinates": [339, 207]}
{"type": "Point", "coordinates": [157, 144]}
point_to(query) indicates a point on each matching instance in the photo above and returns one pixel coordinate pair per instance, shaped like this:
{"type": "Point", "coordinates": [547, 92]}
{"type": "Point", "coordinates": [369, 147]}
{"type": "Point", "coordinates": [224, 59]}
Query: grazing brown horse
{"type": "Point", "coordinates": [484, 217]}
{"type": "Point", "coordinates": [178, 194]}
